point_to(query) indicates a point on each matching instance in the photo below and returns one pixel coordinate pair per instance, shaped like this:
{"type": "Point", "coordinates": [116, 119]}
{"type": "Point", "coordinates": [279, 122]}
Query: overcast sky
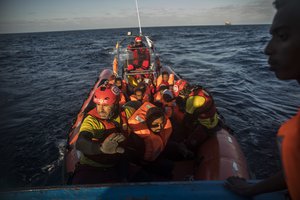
{"type": "Point", "coordinates": [57, 15]}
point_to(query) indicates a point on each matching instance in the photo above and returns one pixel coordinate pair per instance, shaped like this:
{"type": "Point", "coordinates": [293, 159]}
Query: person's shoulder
{"type": "Point", "coordinates": [92, 122]}
{"type": "Point", "coordinates": [89, 118]}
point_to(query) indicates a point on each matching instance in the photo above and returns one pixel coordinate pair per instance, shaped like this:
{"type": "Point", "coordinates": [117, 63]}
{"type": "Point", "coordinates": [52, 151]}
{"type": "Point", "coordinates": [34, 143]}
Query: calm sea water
{"type": "Point", "coordinates": [44, 78]}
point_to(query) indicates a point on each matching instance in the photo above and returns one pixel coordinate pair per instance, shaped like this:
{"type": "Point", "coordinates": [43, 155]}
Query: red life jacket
{"type": "Point", "coordinates": [178, 115]}
{"type": "Point", "coordinates": [141, 58]}
{"type": "Point", "coordinates": [208, 110]}
{"type": "Point", "coordinates": [110, 126]}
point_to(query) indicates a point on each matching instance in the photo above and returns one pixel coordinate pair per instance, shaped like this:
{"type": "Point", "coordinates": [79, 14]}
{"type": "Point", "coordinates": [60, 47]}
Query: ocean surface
{"type": "Point", "coordinates": [44, 78]}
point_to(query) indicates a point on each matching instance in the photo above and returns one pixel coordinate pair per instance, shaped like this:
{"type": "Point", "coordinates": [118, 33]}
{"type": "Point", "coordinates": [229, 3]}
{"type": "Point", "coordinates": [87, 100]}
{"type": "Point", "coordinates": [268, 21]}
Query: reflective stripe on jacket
{"type": "Point", "coordinates": [100, 129]}
{"type": "Point", "coordinates": [202, 104]}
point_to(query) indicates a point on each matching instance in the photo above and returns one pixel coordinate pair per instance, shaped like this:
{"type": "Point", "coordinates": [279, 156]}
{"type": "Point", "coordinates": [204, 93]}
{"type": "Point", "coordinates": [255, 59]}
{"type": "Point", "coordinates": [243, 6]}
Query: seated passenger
{"type": "Point", "coordinates": [127, 111]}
{"type": "Point", "coordinates": [147, 89]}
{"type": "Point", "coordinates": [133, 81]}
{"type": "Point", "coordinates": [165, 79]}
{"type": "Point", "coordinates": [201, 106]}
{"type": "Point", "coordinates": [201, 116]}
{"type": "Point", "coordinates": [180, 88]}
{"type": "Point", "coordinates": [100, 139]}
{"type": "Point", "coordinates": [123, 93]}
{"type": "Point", "coordinates": [181, 91]}
{"type": "Point", "coordinates": [130, 107]}
{"type": "Point", "coordinates": [121, 85]}
{"type": "Point", "coordinates": [141, 93]}
{"type": "Point", "coordinates": [158, 95]}
{"type": "Point", "coordinates": [151, 131]}
{"type": "Point", "coordinates": [138, 95]}
{"type": "Point", "coordinates": [177, 149]}
{"type": "Point", "coordinates": [168, 102]}
{"type": "Point", "coordinates": [141, 55]}
{"type": "Point", "coordinates": [195, 109]}
{"type": "Point", "coordinates": [150, 87]}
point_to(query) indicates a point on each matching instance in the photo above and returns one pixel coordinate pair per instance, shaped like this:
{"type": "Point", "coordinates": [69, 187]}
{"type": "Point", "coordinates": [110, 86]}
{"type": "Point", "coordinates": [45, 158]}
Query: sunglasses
{"type": "Point", "coordinates": [158, 125]}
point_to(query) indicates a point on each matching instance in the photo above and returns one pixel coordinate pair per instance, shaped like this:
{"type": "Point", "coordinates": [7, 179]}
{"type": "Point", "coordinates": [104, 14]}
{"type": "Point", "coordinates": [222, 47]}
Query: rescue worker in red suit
{"type": "Point", "coordinates": [196, 116]}
{"type": "Point", "coordinates": [100, 139]}
{"type": "Point", "coordinates": [284, 58]}
{"type": "Point", "coordinates": [141, 55]}
{"type": "Point", "coordinates": [200, 116]}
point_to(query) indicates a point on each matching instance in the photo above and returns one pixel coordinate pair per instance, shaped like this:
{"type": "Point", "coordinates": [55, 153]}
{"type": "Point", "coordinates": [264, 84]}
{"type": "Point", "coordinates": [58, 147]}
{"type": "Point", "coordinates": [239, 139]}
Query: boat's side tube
{"type": "Point", "coordinates": [221, 157]}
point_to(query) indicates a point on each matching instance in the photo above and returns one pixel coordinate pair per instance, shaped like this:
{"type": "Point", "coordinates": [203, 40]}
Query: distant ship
{"type": "Point", "coordinates": [227, 23]}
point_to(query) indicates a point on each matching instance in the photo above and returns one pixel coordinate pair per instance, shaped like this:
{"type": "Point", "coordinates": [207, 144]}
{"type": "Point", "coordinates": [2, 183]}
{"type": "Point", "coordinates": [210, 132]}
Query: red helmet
{"type": "Point", "coordinates": [178, 86]}
{"type": "Point", "coordinates": [138, 39]}
{"type": "Point", "coordinates": [107, 95]}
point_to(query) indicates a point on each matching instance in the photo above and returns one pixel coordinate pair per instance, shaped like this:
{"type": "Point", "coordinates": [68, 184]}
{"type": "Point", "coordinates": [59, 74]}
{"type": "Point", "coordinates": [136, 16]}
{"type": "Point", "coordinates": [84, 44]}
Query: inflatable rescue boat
{"type": "Point", "coordinates": [219, 157]}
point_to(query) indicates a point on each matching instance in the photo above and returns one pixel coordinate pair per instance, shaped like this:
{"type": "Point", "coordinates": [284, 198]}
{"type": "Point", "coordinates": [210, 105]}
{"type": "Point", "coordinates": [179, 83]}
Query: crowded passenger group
{"type": "Point", "coordinates": [137, 128]}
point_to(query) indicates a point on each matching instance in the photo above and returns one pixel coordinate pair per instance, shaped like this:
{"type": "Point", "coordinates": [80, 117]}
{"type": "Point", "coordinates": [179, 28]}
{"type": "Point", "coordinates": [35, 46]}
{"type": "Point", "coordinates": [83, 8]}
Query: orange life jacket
{"type": "Point", "coordinates": [154, 143]}
{"type": "Point", "coordinates": [122, 99]}
{"type": "Point", "coordinates": [160, 81]}
{"type": "Point", "coordinates": [134, 98]}
{"type": "Point", "coordinates": [157, 96]}
{"type": "Point", "coordinates": [115, 65]}
{"type": "Point", "coordinates": [290, 149]}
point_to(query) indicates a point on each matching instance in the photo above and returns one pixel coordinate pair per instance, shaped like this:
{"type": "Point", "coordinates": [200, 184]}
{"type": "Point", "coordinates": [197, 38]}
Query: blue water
{"type": "Point", "coordinates": [44, 78]}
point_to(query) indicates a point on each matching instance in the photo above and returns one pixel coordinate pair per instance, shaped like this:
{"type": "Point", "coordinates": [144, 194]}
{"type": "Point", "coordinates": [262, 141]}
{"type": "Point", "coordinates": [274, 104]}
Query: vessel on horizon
{"type": "Point", "coordinates": [227, 23]}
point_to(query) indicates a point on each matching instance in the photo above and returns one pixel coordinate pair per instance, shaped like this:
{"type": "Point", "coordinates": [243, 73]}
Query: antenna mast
{"type": "Point", "coordinates": [138, 14]}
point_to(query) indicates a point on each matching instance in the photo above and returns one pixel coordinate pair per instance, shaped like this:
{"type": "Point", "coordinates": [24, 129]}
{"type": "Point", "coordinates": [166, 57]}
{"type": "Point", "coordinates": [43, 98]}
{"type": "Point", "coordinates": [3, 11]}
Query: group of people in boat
{"type": "Point", "coordinates": [136, 134]}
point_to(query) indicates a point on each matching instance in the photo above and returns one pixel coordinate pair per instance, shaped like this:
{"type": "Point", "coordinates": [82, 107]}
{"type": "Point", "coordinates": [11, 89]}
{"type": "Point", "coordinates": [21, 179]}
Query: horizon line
{"type": "Point", "coordinates": [91, 29]}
